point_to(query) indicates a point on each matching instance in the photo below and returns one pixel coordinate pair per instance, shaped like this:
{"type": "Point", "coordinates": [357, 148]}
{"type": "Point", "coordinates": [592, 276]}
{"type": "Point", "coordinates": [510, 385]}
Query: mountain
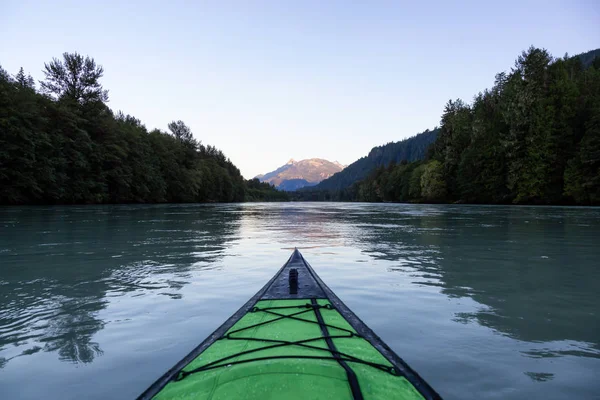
{"type": "Point", "coordinates": [588, 58]}
{"type": "Point", "coordinates": [297, 174]}
{"type": "Point", "coordinates": [411, 149]}
{"type": "Point", "coordinates": [497, 151]}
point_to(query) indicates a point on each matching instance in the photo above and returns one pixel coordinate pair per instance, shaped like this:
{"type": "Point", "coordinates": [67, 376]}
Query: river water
{"type": "Point", "coordinates": [97, 302]}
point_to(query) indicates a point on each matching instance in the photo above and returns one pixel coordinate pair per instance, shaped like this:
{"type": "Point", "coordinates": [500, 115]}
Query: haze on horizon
{"type": "Point", "coordinates": [268, 81]}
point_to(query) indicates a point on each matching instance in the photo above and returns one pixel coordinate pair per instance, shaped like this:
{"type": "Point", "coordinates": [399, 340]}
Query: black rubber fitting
{"type": "Point", "coordinates": [293, 280]}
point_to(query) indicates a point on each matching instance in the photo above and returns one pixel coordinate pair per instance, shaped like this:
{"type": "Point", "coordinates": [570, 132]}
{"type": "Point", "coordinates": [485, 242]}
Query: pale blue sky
{"type": "Point", "coordinates": [266, 81]}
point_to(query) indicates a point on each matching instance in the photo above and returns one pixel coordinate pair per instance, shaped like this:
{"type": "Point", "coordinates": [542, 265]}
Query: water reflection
{"type": "Point", "coordinates": [61, 265]}
{"type": "Point", "coordinates": [69, 331]}
{"type": "Point", "coordinates": [503, 297]}
{"type": "Point", "coordinates": [530, 269]}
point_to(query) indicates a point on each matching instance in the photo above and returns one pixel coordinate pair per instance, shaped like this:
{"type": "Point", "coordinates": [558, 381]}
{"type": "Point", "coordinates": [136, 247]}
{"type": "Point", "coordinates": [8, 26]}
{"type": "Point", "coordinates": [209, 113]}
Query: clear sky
{"type": "Point", "coordinates": [266, 81]}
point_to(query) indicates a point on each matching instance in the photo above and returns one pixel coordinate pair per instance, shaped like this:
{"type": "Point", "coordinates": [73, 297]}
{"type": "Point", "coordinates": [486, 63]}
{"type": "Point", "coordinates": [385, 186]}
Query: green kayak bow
{"type": "Point", "coordinates": [294, 339]}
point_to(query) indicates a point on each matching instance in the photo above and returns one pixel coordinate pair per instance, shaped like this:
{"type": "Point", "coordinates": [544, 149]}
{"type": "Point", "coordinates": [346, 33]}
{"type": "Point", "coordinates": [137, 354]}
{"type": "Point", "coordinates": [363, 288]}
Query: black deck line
{"type": "Point", "coordinates": [220, 331]}
{"type": "Point", "coordinates": [350, 374]}
{"type": "Point", "coordinates": [360, 327]}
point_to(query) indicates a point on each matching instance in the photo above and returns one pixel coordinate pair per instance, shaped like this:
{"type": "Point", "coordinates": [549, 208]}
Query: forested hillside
{"type": "Point", "coordinates": [64, 145]}
{"type": "Point", "coordinates": [587, 59]}
{"type": "Point", "coordinates": [533, 138]}
{"type": "Point", "coordinates": [410, 149]}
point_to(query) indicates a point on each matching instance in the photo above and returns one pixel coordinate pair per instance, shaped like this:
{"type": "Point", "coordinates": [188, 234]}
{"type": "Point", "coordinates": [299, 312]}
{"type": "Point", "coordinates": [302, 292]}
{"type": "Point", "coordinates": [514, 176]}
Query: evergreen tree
{"type": "Point", "coordinates": [533, 138]}
{"type": "Point", "coordinates": [68, 147]}
{"type": "Point", "coordinates": [74, 78]}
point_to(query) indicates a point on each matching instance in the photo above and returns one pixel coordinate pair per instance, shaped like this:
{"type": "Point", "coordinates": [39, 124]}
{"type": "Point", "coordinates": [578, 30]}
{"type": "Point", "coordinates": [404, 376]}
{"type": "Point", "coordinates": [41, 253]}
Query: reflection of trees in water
{"type": "Point", "coordinates": [76, 256]}
{"type": "Point", "coordinates": [70, 332]}
{"type": "Point", "coordinates": [55, 323]}
{"type": "Point", "coordinates": [59, 314]}
{"type": "Point", "coordinates": [530, 268]}
{"type": "Point", "coordinates": [308, 226]}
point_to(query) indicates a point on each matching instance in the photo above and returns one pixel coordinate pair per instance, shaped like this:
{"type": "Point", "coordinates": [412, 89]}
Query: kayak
{"type": "Point", "coordinates": [294, 339]}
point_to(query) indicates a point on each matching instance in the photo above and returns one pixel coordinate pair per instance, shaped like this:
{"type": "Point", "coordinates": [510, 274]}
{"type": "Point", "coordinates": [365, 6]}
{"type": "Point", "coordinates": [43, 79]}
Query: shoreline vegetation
{"type": "Point", "coordinates": [533, 138]}
{"type": "Point", "coordinates": [62, 144]}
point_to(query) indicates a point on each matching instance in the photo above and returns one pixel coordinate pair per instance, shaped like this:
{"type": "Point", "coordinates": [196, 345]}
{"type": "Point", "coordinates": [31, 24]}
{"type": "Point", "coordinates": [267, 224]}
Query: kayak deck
{"type": "Point", "coordinates": [296, 340]}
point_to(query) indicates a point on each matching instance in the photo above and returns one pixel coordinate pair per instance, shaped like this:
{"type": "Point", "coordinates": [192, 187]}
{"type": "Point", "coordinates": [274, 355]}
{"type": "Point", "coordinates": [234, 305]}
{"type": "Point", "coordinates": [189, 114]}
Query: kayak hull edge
{"type": "Point", "coordinates": [310, 287]}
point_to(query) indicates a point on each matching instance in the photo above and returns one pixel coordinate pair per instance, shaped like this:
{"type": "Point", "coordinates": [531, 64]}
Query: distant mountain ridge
{"type": "Point", "coordinates": [297, 174]}
{"type": "Point", "coordinates": [587, 58]}
{"type": "Point", "coordinates": [411, 149]}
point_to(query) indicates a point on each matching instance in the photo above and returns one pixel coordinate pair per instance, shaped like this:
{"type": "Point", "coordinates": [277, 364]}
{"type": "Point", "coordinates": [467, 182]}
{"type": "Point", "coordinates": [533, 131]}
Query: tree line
{"type": "Point", "coordinates": [533, 138]}
{"type": "Point", "coordinates": [62, 144]}
{"type": "Point", "coordinates": [410, 149]}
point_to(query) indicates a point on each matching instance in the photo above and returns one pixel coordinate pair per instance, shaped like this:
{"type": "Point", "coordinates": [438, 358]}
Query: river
{"type": "Point", "coordinates": [483, 301]}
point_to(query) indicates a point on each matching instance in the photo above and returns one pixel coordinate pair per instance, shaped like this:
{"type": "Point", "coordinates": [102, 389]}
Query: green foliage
{"type": "Point", "coordinates": [533, 138]}
{"type": "Point", "coordinates": [346, 184]}
{"type": "Point", "coordinates": [411, 149]}
{"type": "Point", "coordinates": [454, 138]}
{"type": "Point", "coordinates": [582, 176]}
{"type": "Point", "coordinates": [414, 183]}
{"type": "Point", "coordinates": [23, 81]}
{"type": "Point", "coordinates": [183, 133]}
{"type": "Point", "coordinates": [264, 191]}
{"type": "Point", "coordinates": [589, 58]}
{"type": "Point", "coordinates": [75, 78]}
{"type": "Point", "coordinates": [67, 147]}
{"type": "Point", "coordinates": [433, 186]}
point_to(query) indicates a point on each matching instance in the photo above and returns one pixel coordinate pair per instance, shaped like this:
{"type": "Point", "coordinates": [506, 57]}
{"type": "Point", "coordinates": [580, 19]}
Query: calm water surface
{"type": "Point", "coordinates": [484, 302]}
